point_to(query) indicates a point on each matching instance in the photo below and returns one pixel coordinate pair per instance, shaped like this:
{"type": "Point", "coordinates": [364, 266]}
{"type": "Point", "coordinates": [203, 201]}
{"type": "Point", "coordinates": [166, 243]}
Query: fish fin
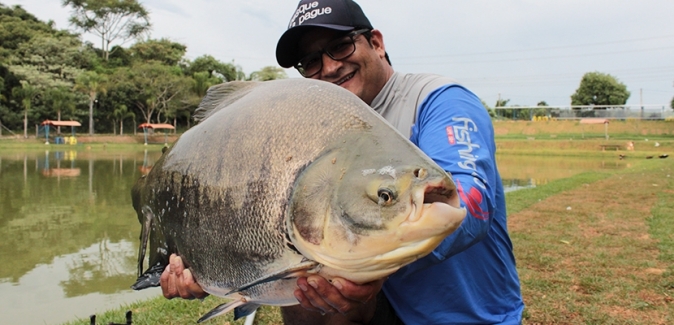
{"type": "Point", "coordinates": [245, 310]}
{"type": "Point", "coordinates": [150, 278]}
{"type": "Point", "coordinates": [222, 309]}
{"type": "Point", "coordinates": [158, 258]}
{"type": "Point", "coordinates": [222, 95]}
{"type": "Point", "coordinates": [145, 217]}
{"type": "Point", "coordinates": [294, 271]}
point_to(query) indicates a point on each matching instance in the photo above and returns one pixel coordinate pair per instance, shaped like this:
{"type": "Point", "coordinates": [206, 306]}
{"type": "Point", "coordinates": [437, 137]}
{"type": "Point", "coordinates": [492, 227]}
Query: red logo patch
{"type": "Point", "coordinates": [450, 135]}
{"type": "Point", "coordinates": [472, 201]}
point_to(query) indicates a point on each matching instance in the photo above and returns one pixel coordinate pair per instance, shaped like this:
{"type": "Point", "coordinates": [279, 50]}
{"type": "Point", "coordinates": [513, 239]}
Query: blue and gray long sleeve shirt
{"type": "Point", "coordinates": [470, 278]}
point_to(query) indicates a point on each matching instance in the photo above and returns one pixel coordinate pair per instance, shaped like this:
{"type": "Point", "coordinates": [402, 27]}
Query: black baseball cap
{"type": "Point", "coordinates": [340, 15]}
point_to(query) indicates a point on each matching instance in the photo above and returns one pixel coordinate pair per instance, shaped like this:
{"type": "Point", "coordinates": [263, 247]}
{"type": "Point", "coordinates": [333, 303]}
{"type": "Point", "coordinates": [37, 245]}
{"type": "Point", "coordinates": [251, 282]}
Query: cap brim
{"type": "Point", "coordinates": [287, 48]}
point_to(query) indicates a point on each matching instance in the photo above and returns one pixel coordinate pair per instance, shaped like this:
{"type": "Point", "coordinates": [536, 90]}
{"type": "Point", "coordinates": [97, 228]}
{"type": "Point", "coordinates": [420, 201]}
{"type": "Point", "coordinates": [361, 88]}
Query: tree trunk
{"type": "Point", "coordinates": [58, 128]}
{"type": "Point", "coordinates": [91, 116]}
{"type": "Point", "coordinates": [121, 127]}
{"type": "Point", "coordinates": [25, 124]}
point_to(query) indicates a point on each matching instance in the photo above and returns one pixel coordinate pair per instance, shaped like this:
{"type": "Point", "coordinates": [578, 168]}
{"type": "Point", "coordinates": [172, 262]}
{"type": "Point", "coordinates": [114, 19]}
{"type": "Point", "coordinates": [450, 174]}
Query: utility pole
{"type": "Point", "coordinates": [641, 101]}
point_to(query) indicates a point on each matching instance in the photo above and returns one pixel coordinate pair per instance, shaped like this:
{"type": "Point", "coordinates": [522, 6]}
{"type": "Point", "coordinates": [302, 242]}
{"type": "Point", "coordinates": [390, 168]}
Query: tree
{"type": "Point", "coordinates": [672, 104]}
{"type": "Point", "coordinates": [48, 61]}
{"type": "Point", "coordinates": [508, 113]}
{"type": "Point", "coordinates": [201, 82]}
{"type": "Point", "coordinates": [18, 26]}
{"type": "Point", "coordinates": [91, 84]}
{"type": "Point", "coordinates": [25, 94]}
{"type": "Point", "coordinates": [268, 73]}
{"type": "Point", "coordinates": [2, 99]}
{"type": "Point", "coordinates": [598, 88]}
{"type": "Point", "coordinates": [543, 110]}
{"type": "Point", "coordinates": [492, 114]}
{"type": "Point", "coordinates": [119, 114]}
{"type": "Point", "coordinates": [60, 98]}
{"type": "Point", "coordinates": [163, 50]}
{"type": "Point", "coordinates": [207, 63]}
{"type": "Point", "coordinates": [111, 20]}
{"type": "Point", "coordinates": [151, 87]}
{"type": "Point", "coordinates": [501, 102]}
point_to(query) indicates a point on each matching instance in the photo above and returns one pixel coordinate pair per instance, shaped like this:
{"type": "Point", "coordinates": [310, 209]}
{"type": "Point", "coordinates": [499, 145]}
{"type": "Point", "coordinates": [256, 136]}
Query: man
{"type": "Point", "coordinates": [471, 277]}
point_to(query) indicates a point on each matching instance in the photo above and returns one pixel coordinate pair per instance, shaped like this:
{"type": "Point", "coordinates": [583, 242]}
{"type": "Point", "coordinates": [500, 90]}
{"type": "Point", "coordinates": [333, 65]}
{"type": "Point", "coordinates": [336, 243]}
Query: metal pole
{"type": "Point", "coordinates": [250, 318]}
{"type": "Point", "coordinates": [641, 102]}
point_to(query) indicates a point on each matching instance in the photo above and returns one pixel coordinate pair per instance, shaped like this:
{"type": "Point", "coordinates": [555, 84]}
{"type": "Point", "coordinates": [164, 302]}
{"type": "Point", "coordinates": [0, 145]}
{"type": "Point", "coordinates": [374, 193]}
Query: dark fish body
{"type": "Point", "coordinates": [282, 179]}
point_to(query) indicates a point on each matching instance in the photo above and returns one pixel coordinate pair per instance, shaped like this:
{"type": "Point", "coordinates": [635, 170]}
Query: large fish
{"type": "Point", "coordinates": [287, 178]}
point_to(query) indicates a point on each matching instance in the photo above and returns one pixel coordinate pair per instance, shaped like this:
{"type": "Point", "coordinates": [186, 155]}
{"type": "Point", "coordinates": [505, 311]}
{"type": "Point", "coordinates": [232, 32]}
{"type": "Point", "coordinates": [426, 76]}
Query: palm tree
{"type": "Point", "coordinates": [60, 99]}
{"type": "Point", "coordinates": [122, 113]}
{"type": "Point", "coordinates": [26, 93]}
{"type": "Point", "coordinates": [91, 83]}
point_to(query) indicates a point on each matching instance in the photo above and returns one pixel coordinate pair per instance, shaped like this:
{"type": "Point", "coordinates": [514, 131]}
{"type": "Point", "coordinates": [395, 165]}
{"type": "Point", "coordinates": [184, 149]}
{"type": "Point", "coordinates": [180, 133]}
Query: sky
{"type": "Point", "coordinates": [525, 51]}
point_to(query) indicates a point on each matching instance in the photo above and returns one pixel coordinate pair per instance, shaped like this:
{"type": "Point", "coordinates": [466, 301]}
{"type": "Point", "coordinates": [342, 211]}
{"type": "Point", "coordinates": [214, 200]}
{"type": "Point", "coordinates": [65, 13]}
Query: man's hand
{"type": "Point", "coordinates": [177, 281]}
{"type": "Point", "coordinates": [341, 298]}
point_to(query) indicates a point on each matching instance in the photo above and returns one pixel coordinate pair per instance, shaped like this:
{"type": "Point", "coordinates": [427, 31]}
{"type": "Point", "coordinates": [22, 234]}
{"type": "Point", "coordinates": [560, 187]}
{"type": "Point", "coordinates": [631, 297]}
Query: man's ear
{"type": "Point", "coordinates": [377, 42]}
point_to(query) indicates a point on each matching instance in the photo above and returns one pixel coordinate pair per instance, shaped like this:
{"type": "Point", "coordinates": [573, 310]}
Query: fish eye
{"type": "Point", "coordinates": [386, 196]}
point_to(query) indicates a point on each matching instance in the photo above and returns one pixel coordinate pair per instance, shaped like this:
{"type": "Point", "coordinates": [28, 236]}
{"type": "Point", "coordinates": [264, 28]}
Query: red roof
{"type": "Point", "coordinates": [156, 126]}
{"type": "Point", "coordinates": [61, 123]}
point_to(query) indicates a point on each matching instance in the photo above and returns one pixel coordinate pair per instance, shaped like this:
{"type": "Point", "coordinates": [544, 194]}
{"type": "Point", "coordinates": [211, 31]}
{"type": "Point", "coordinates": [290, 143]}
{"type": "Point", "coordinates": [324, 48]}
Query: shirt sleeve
{"type": "Point", "coordinates": [454, 129]}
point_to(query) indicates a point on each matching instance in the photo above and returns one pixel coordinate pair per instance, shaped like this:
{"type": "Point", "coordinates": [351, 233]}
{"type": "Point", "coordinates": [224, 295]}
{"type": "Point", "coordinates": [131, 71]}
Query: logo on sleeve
{"type": "Point", "coordinates": [450, 135]}
{"type": "Point", "coordinates": [473, 199]}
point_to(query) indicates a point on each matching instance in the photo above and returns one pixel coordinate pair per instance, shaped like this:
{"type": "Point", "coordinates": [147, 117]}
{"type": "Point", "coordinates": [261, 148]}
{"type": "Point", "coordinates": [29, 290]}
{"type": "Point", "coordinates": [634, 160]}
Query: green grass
{"type": "Point", "coordinates": [522, 199]}
{"type": "Point", "coordinates": [177, 311]}
{"type": "Point", "coordinates": [661, 227]}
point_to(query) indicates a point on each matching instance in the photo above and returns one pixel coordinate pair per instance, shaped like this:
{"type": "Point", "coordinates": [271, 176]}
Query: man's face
{"type": "Point", "coordinates": [363, 73]}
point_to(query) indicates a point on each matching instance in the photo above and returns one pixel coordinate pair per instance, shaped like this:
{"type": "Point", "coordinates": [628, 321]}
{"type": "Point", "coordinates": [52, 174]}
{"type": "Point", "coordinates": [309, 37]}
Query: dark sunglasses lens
{"type": "Point", "coordinates": [310, 64]}
{"type": "Point", "coordinates": [342, 49]}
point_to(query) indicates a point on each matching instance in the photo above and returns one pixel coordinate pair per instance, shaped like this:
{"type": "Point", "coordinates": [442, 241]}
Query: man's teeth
{"type": "Point", "coordinates": [345, 79]}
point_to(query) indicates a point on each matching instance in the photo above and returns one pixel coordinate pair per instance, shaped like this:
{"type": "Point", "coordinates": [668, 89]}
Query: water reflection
{"type": "Point", "coordinates": [515, 184]}
{"type": "Point", "coordinates": [69, 232]}
{"type": "Point", "coordinates": [519, 172]}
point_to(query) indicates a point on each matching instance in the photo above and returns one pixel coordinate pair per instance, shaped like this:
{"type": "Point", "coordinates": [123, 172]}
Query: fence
{"type": "Point", "coordinates": [533, 113]}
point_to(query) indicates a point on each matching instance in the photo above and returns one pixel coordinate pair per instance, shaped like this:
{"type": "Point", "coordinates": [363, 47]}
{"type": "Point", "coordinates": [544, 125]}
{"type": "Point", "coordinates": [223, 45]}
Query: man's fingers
{"type": "Point", "coordinates": [167, 282]}
{"type": "Point", "coordinates": [358, 292]}
{"type": "Point", "coordinates": [191, 288]}
{"type": "Point", "coordinates": [317, 292]}
{"type": "Point", "coordinates": [304, 301]}
{"type": "Point", "coordinates": [177, 265]}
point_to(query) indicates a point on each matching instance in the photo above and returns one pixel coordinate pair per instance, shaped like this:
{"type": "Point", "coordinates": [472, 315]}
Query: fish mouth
{"type": "Point", "coordinates": [438, 193]}
{"type": "Point", "coordinates": [441, 191]}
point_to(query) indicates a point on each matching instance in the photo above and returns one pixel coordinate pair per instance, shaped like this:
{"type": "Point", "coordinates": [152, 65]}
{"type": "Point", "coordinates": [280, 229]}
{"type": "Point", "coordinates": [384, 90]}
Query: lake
{"type": "Point", "coordinates": [70, 235]}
